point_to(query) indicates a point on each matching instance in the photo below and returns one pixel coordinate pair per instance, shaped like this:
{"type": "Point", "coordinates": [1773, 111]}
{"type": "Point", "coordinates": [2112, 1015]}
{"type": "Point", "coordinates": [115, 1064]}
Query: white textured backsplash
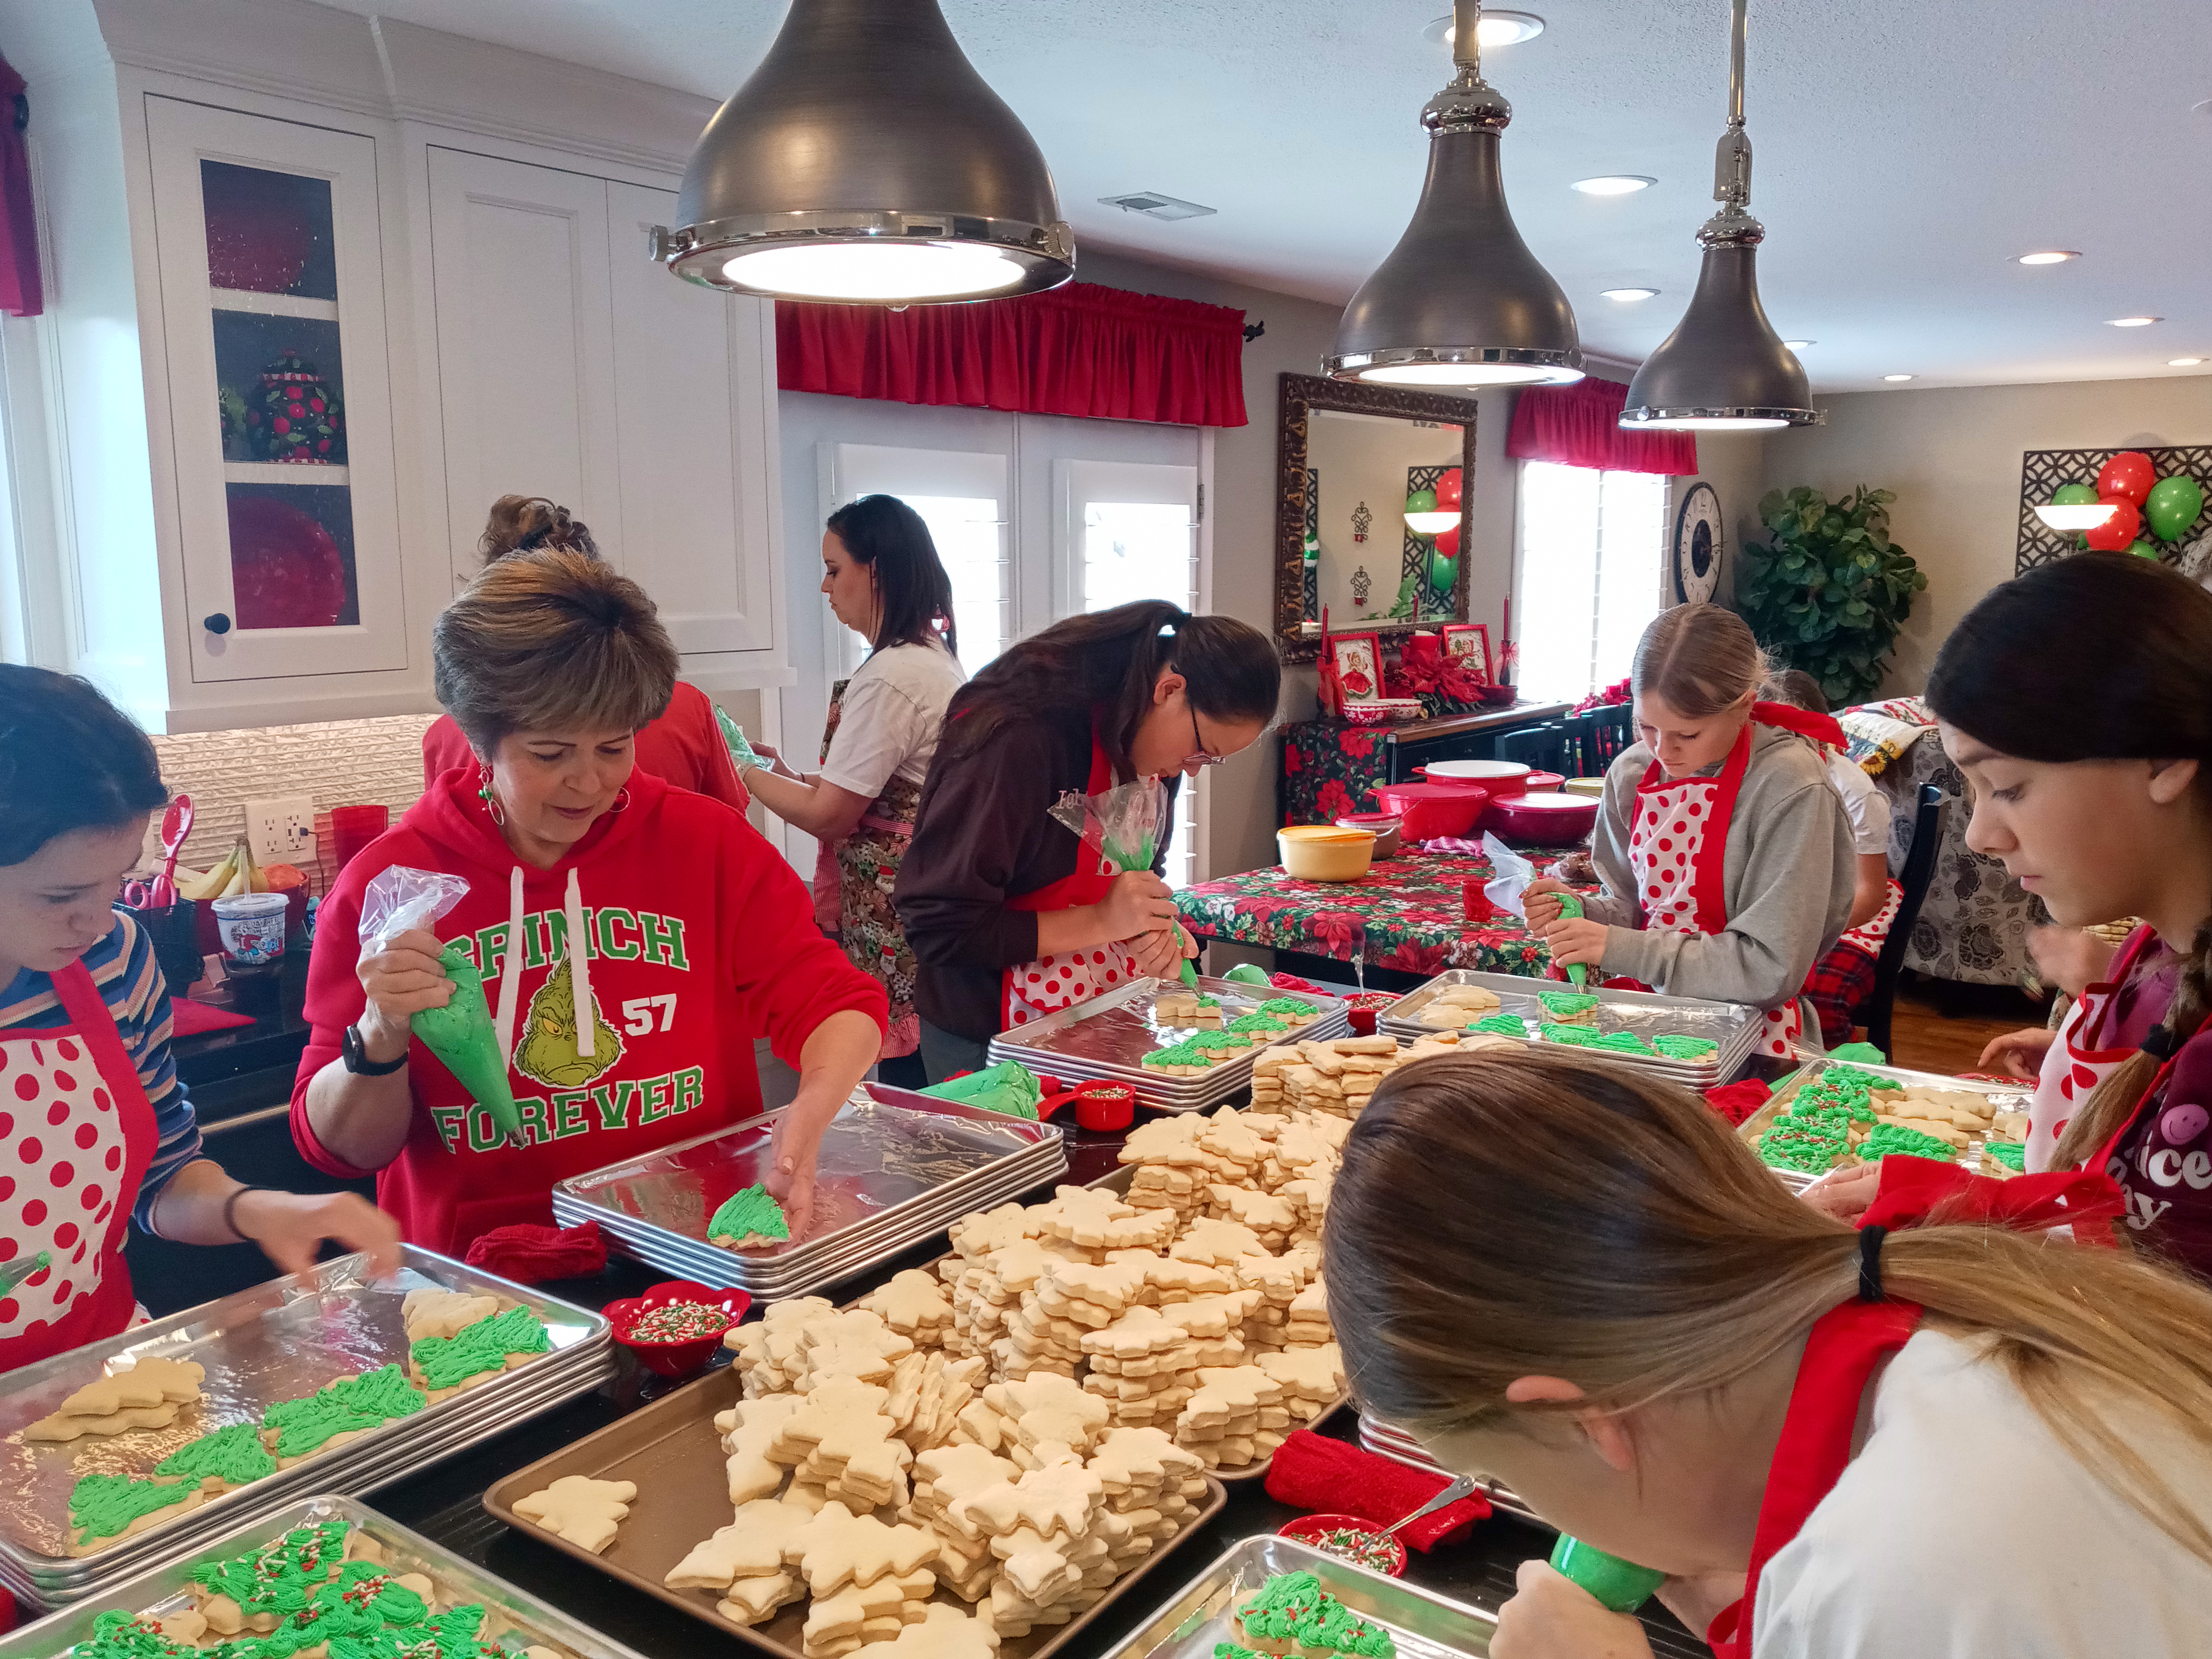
{"type": "Point", "coordinates": [339, 763]}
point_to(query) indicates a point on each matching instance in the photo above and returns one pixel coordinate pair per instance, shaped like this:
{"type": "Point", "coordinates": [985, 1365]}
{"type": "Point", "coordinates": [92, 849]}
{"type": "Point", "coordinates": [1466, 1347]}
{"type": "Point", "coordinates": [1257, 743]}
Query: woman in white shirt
{"type": "Point", "coordinates": [1946, 1439]}
{"type": "Point", "coordinates": [884, 581]}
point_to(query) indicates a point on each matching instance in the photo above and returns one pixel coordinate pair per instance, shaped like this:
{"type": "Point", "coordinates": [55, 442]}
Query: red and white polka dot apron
{"type": "Point", "coordinates": [1046, 986]}
{"type": "Point", "coordinates": [1870, 935]}
{"type": "Point", "coordinates": [77, 1134]}
{"type": "Point", "coordinates": [2075, 1064]}
{"type": "Point", "coordinates": [1676, 842]}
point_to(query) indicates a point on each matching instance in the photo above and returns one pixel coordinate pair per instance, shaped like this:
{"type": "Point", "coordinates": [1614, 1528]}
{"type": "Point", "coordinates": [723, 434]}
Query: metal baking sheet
{"type": "Point", "coordinates": [276, 1341]}
{"type": "Point", "coordinates": [2012, 1096]}
{"type": "Point", "coordinates": [725, 1270]}
{"type": "Point", "coordinates": [671, 1450]}
{"type": "Point", "coordinates": [1118, 1029]}
{"type": "Point", "coordinates": [1735, 1027]}
{"type": "Point", "coordinates": [162, 1589]}
{"type": "Point", "coordinates": [886, 1154]}
{"type": "Point", "coordinates": [372, 1473]}
{"type": "Point", "coordinates": [1385, 1442]}
{"type": "Point", "coordinates": [1202, 1613]}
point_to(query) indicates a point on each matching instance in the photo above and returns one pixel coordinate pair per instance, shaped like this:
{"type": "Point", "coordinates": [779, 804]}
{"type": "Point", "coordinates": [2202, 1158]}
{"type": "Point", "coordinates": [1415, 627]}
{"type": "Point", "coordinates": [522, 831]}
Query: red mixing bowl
{"type": "Point", "coordinates": [1432, 809]}
{"type": "Point", "coordinates": [682, 1359]}
{"type": "Point", "coordinates": [1498, 777]}
{"type": "Point", "coordinates": [1542, 820]}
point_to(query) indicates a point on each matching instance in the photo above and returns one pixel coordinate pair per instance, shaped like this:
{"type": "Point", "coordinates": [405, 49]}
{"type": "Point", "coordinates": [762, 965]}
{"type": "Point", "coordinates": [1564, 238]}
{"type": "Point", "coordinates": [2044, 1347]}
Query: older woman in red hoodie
{"type": "Point", "coordinates": [699, 937]}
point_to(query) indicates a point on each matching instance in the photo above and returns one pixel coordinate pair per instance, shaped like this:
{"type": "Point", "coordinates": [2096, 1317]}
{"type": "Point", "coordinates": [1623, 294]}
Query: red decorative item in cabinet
{"type": "Point", "coordinates": [286, 569]}
{"type": "Point", "coordinates": [255, 244]}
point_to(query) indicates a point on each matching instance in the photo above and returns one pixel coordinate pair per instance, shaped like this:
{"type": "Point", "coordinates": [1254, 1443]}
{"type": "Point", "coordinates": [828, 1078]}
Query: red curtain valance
{"type": "Point", "coordinates": [1579, 425]}
{"type": "Point", "coordinates": [21, 292]}
{"type": "Point", "coordinates": [1076, 350]}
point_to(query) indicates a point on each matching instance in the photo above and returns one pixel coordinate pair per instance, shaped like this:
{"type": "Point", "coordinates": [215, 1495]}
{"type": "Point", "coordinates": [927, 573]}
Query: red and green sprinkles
{"type": "Point", "coordinates": [1378, 1551]}
{"type": "Point", "coordinates": [678, 1321]}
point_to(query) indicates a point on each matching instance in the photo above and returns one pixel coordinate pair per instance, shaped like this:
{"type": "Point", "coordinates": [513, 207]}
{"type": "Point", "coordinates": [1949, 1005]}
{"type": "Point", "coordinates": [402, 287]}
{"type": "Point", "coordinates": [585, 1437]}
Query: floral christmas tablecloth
{"type": "Point", "coordinates": [1407, 912]}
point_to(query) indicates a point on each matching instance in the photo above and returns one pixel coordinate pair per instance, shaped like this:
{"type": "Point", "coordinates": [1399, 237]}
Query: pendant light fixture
{"type": "Point", "coordinates": [1460, 301]}
{"type": "Point", "coordinates": [1724, 368]}
{"type": "Point", "coordinates": [865, 161]}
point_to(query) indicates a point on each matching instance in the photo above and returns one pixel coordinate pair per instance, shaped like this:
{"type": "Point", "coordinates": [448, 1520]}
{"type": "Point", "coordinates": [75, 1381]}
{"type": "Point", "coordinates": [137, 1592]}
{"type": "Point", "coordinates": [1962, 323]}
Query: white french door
{"type": "Point", "coordinates": [1037, 518]}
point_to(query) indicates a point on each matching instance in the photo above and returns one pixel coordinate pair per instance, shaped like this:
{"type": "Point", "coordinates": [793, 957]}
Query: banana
{"type": "Point", "coordinates": [241, 871]}
{"type": "Point", "coordinates": [201, 889]}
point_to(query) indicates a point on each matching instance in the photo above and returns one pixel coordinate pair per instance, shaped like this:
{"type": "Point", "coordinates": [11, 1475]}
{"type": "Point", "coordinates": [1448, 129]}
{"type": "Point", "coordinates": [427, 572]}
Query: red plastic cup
{"type": "Point", "coordinates": [353, 828]}
{"type": "Point", "coordinates": [1362, 1021]}
{"type": "Point", "coordinates": [1476, 902]}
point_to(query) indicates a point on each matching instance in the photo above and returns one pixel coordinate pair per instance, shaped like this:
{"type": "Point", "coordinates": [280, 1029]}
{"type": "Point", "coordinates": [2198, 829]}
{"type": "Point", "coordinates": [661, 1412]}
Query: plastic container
{"type": "Point", "coordinates": [1385, 825]}
{"type": "Point", "coordinates": [1325, 852]}
{"type": "Point", "coordinates": [1544, 820]}
{"type": "Point", "coordinates": [1620, 1586]}
{"type": "Point", "coordinates": [677, 1359]}
{"type": "Point", "coordinates": [252, 928]}
{"type": "Point", "coordinates": [1432, 809]}
{"type": "Point", "coordinates": [1499, 777]}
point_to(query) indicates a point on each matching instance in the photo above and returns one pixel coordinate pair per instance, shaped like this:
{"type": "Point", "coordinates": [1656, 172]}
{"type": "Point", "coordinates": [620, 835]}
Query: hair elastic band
{"type": "Point", "coordinates": [1870, 1263]}
{"type": "Point", "coordinates": [2161, 1044]}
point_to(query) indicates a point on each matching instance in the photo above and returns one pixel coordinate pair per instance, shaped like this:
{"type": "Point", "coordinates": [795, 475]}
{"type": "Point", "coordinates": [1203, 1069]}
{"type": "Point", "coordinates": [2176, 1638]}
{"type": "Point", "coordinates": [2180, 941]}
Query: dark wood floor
{"type": "Point", "coordinates": [1927, 1039]}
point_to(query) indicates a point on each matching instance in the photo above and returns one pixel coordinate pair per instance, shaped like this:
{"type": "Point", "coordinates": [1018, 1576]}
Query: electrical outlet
{"type": "Point", "coordinates": [280, 829]}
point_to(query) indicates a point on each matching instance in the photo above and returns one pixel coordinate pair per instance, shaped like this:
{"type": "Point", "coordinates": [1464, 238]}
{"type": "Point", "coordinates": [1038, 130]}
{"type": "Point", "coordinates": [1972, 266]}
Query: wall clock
{"type": "Point", "coordinates": [1698, 546]}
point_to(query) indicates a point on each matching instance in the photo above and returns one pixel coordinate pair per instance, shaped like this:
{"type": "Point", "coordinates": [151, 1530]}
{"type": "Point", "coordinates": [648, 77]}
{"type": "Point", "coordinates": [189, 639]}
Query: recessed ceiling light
{"type": "Point", "coordinates": [1614, 183]}
{"type": "Point", "coordinates": [2132, 322]}
{"type": "Point", "coordinates": [2056, 256]}
{"type": "Point", "coordinates": [1627, 295]}
{"type": "Point", "coordinates": [1799, 345]}
{"type": "Point", "coordinates": [2183, 363]}
{"type": "Point", "coordinates": [1897, 377]}
{"type": "Point", "coordinates": [1498, 28]}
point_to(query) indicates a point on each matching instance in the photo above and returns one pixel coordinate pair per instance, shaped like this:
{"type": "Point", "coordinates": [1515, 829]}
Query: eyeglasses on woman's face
{"type": "Point", "coordinates": [1204, 757]}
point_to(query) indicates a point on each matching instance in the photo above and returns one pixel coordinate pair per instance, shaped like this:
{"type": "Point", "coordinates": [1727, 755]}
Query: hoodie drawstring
{"type": "Point", "coordinates": [580, 972]}
{"type": "Point", "coordinates": [510, 977]}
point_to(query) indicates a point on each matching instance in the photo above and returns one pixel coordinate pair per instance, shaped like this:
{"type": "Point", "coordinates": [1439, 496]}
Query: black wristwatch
{"type": "Point", "coordinates": [356, 1057]}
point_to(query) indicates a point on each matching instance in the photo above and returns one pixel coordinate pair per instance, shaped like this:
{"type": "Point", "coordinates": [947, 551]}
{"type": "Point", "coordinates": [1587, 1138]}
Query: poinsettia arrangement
{"type": "Point", "coordinates": [1618, 692]}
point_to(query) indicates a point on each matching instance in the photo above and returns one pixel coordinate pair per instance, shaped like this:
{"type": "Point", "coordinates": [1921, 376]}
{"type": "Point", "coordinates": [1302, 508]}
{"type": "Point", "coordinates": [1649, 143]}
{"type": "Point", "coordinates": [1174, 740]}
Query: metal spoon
{"type": "Point", "coordinates": [1465, 1486]}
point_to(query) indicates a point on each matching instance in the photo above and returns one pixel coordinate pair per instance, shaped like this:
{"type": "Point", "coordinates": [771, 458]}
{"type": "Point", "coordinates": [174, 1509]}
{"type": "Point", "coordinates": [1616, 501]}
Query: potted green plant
{"type": "Point", "coordinates": [1829, 591]}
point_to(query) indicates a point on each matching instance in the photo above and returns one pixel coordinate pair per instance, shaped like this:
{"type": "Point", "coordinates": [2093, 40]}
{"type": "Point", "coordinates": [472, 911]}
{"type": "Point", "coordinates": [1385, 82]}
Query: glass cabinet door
{"type": "Point", "coordinates": [273, 307]}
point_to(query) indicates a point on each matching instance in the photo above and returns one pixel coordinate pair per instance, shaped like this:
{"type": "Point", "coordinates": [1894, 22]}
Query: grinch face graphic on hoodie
{"type": "Point", "coordinates": [548, 1049]}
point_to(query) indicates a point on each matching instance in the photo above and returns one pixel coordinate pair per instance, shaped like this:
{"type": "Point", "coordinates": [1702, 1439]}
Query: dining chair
{"type": "Point", "coordinates": [1919, 871]}
{"type": "Point", "coordinates": [1543, 747]}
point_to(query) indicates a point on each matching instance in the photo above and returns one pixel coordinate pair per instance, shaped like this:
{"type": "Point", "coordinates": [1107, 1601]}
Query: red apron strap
{"type": "Point", "coordinates": [2110, 1149]}
{"type": "Point", "coordinates": [1822, 728]}
{"type": "Point", "coordinates": [1841, 1352]}
{"type": "Point", "coordinates": [1713, 895]}
{"type": "Point", "coordinates": [118, 1074]}
{"type": "Point", "coordinates": [1912, 1190]}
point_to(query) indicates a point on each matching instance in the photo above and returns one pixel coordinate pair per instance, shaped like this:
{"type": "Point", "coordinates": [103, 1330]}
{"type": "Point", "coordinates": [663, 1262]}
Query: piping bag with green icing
{"type": "Point", "coordinates": [741, 752]}
{"type": "Point", "coordinates": [462, 1034]}
{"type": "Point", "coordinates": [1125, 826]}
{"type": "Point", "coordinates": [13, 1274]}
{"type": "Point", "coordinates": [1571, 905]}
{"type": "Point", "coordinates": [1008, 1088]}
{"type": "Point", "coordinates": [1620, 1586]}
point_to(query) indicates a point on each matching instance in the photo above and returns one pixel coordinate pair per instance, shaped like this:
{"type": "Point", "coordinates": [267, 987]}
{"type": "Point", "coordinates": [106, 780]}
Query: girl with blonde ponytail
{"type": "Point", "coordinates": [1951, 1439]}
{"type": "Point", "coordinates": [2077, 701]}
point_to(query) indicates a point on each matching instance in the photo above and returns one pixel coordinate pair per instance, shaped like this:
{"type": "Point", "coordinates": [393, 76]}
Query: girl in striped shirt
{"type": "Point", "coordinates": [95, 1126]}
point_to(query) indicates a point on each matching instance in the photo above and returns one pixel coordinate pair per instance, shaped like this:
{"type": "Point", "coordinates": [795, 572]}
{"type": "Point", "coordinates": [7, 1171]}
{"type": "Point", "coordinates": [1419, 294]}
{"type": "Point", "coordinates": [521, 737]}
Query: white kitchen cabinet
{"type": "Point", "coordinates": [280, 414]}
{"type": "Point", "coordinates": [525, 342]}
{"type": "Point", "coordinates": [572, 366]}
{"type": "Point", "coordinates": [448, 237]}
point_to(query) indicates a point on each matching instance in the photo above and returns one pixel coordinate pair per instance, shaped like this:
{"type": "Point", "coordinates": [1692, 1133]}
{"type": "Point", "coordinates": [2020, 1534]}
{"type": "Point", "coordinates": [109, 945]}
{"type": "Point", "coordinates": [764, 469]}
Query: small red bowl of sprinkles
{"type": "Point", "coordinates": [674, 1327]}
{"type": "Point", "coordinates": [1349, 1538]}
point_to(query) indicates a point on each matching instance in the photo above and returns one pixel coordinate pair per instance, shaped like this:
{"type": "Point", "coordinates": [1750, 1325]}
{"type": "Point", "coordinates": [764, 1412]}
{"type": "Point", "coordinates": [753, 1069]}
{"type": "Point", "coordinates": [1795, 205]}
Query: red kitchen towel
{"type": "Point", "coordinates": [528, 1252]}
{"type": "Point", "coordinates": [1738, 1101]}
{"type": "Point", "coordinates": [191, 1019]}
{"type": "Point", "coordinates": [1314, 1472]}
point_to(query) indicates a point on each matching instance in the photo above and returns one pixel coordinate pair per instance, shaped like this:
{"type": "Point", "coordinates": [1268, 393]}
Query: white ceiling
{"type": "Point", "coordinates": [1905, 152]}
